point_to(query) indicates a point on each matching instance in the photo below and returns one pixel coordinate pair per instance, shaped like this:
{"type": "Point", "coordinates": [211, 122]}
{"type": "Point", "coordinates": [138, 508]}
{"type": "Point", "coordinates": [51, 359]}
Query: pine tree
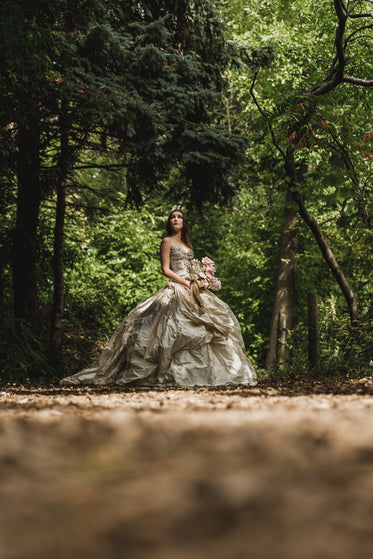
{"type": "Point", "coordinates": [141, 79]}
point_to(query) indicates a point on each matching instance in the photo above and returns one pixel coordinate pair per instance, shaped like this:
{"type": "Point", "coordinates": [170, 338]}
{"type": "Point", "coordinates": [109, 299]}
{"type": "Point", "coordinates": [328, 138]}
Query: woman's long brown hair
{"type": "Point", "coordinates": [185, 235]}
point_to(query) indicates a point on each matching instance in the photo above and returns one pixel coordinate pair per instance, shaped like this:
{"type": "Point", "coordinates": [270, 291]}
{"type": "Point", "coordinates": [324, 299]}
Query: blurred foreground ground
{"type": "Point", "coordinates": [283, 470]}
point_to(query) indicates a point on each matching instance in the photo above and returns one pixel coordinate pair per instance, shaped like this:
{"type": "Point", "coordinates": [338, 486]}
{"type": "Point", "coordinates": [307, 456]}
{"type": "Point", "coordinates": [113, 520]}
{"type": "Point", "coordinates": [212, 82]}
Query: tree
{"type": "Point", "coordinates": [313, 132]}
{"type": "Point", "coordinates": [137, 79]}
{"type": "Point", "coordinates": [302, 128]}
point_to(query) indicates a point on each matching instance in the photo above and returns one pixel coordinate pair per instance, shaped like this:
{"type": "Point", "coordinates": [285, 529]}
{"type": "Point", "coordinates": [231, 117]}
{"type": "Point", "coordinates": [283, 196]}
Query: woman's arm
{"type": "Point", "coordinates": [165, 264]}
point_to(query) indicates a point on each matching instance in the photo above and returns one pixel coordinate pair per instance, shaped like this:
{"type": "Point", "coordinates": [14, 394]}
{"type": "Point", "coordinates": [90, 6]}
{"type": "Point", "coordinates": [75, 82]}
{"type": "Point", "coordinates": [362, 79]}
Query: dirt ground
{"type": "Point", "coordinates": [283, 470]}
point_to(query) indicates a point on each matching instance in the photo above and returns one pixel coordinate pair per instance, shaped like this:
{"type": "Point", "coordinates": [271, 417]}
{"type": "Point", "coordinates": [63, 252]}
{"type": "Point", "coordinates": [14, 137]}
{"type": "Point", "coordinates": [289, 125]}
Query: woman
{"type": "Point", "coordinates": [169, 339]}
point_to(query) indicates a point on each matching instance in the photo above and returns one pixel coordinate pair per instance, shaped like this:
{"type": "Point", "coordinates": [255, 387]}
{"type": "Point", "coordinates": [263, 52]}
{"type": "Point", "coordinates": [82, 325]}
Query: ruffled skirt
{"type": "Point", "coordinates": [167, 340]}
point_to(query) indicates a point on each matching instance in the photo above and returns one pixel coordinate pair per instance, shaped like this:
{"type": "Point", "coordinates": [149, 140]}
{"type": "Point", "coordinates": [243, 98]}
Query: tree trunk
{"type": "Point", "coordinates": [2, 265]}
{"type": "Point", "coordinates": [313, 331]}
{"type": "Point", "coordinates": [55, 348]}
{"type": "Point", "coordinates": [285, 281]}
{"type": "Point", "coordinates": [281, 339]}
{"type": "Point", "coordinates": [329, 257]}
{"type": "Point", "coordinates": [25, 235]}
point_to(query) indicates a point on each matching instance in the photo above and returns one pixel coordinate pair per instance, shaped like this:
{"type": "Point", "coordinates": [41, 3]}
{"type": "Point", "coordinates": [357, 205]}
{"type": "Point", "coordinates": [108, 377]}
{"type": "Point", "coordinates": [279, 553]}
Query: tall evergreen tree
{"type": "Point", "coordinates": [141, 78]}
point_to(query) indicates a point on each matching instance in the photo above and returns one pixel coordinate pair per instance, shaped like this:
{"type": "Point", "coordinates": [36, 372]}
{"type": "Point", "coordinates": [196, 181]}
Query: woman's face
{"type": "Point", "coordinates": [176, 221]}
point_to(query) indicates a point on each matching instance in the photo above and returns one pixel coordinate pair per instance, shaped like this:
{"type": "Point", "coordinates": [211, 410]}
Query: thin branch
{"type": "Point", "coordinates": [357, 81]}
{"type": "Point", "coordinates": [357, 31]}
{"type": "Point", "coordinates": [332, 70]}
{"type": "Point", "coordinates": [339, 63]}
{"type": "Point", "coordinates": [275, 143]}
{"type": "Point", "coordinates": [366, 35]}
{"type": "Point", "coordinates": [357, 3]}
{"type": "Point", "coordinates": [339, 40]}
{"type": "Point", "coordinates": [86, 206]}
{"type": "Point", "coordinates": [101, 166]}
{"type": "Point", "coordinates": [369, 314]}
{"type": "Point", "coordinates": [83, 187]}
{"type": "Point", "coordinates": [349, 10]}
{"type": "Point", "coordinates": [360, 199]}
{"type": "Point", "coordinates": [356, 16]}
{"type": "Point", "coordinates": [328, 256]}
{"type": "Point", "coordinates": [367, 179]}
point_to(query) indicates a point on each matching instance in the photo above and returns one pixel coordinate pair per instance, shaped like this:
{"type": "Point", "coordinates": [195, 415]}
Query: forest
{"type": "Point", "coordinates": [254, 117]}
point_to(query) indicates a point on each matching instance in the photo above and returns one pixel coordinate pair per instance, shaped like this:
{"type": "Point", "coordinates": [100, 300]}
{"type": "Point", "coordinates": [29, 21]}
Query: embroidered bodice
{"type": "Point", "coordinates": [180, 261]}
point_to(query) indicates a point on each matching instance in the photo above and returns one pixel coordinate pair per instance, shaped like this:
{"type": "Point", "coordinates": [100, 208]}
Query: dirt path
{"type": "Point", "coordinates": [278, 471]}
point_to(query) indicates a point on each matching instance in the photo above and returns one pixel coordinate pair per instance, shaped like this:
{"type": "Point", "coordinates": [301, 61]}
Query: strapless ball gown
{"type": "Point", "coordinates": [167, 340]}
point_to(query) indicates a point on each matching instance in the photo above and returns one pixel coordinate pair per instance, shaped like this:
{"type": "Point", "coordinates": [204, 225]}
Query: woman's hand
{"type": "Point", "coordinates": [197, 282]}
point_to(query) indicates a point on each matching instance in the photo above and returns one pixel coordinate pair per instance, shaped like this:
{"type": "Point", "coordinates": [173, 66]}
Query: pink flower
{"type": "Point", "coordinates": [204, 272]}
{"type": "Point", "coordinates": [208, 264]}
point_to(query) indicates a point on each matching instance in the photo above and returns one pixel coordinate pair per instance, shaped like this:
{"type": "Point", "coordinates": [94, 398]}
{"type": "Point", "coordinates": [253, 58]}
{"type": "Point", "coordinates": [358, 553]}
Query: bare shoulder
{"type": "Point", "coordinates": [165, 251]}
{"type": "Point", "coordinates": [166, 243]}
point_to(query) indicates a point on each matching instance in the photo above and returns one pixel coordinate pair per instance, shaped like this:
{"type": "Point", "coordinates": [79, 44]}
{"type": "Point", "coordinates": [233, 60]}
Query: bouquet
{"type": "Point", "coordinates": [204, 272]}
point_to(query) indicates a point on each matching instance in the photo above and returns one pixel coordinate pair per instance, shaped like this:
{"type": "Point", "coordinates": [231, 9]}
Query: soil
{"type": "Point", "coordinates": [282, 470]}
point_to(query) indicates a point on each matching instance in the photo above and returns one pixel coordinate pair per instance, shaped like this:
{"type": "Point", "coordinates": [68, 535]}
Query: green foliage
{"type": "Point", "coordinates": [111, 265]}
{"type": "Point", "coordinates": [242, 249]}
{"type": "Point", "coordinates": [23, 354]}
{"type": "Point", "coordinates": [345, 348]}
{"type": "Point", "coordinates": [330, 134]}
{"type": "Point", "coordinates": [160, 112]}
{"type": "Point", "coordinates": [147, 77]}
{"type": "Point", "coordinates": [135, 88]}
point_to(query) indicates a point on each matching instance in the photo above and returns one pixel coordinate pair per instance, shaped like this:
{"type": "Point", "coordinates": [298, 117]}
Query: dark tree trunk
{"type": "Point", "coordinates": [281, 339]}
{"type": "Point", "coordinates": [329, 257]}
{"type": "Point", "coordinates": [297, 177]}
{"type": "Point", "coordinates": [25, 234]}
{"type": "Point", "coordinates": [1, 275]}
{"type": "Point", "coordinates": [3, 260]}
{"type": "Point", "coordinates": [58, 279]}
{"type": "Point", "coordinates": [285, 281]}
{"type": "Point", "coordinates": [313, 330]}
{"type": "Point", "coordinates": [55, 348]}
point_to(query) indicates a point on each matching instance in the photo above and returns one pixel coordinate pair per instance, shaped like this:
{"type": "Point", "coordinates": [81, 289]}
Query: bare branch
{"type": "Point", "coordinates": [357, 81]}
{"type": "Point", "coordinates": [275, 143]}
{"type": "Point", "coordinates": [356, 16]}
{"type": "Point", "coordinates": [360, 196]}
{"type": "Point", "coordinates": [324, 88]}
{"type": "Point", "coordinates": [370, 26]}
{"type": "Point", "coordinates": [339, 40]}
{"type": "Point", "coordinates": [339, 62]}
{"type": "Point", "coordinates": [361, 37]}
{"type": "Point", "coordinates": [357, 3]}
{"type": "Point", "coordinates": [336, 74]}
{"type": "Point", "coordinates": [86, 206]}
{"type": "Point", "coordinates": [101, 166]}
{"type": "Point", "coordinates": [82, 186]}
{"type": "Point", "coordinates": [353, 5]}
{"type": "Point", "coordinates": [351, 9]}
{"type": "Point", "coordinates": [367, 179]}
{"type": "Point", "coordinates": [369, 314]}
{"type": "Point", "coordinates": [328, 256]}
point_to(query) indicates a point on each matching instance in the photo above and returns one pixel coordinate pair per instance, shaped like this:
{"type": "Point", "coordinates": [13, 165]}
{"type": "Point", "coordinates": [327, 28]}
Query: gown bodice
{"type": "Point", "coordinates": [180, 259]}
